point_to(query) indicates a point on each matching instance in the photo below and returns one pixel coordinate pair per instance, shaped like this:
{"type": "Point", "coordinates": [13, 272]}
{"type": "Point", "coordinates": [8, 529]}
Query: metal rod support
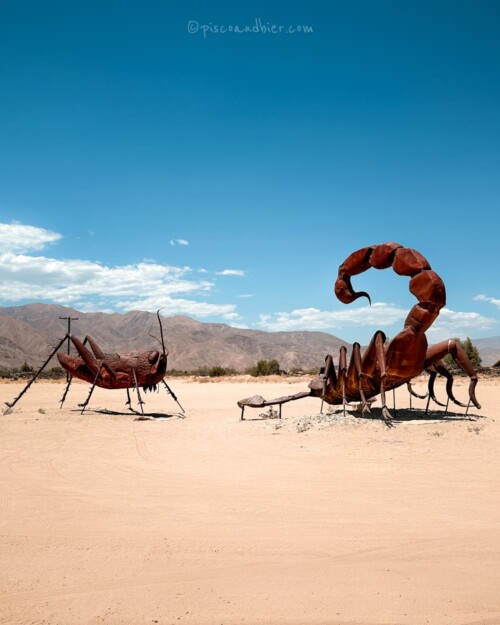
{"type": "Point", "coordinates": [13, 403]}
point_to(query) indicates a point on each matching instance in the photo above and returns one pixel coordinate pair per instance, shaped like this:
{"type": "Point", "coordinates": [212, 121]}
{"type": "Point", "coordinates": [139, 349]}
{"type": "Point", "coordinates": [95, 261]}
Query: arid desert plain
{"type": "Point", "coordinates": [208, 520]}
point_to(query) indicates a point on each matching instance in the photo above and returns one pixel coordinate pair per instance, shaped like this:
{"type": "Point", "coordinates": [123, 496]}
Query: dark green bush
{"type": "Point", "coordinates": [265, 367]}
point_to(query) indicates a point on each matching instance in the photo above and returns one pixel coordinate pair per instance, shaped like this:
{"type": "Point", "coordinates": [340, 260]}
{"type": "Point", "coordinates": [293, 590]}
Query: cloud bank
{"type": "Point", "coordinates": [19, 238]}
{"type": "Point", "coordinates": [149, 285]}
{"type": "Point", "coordinates": [91, 285]}
{"type": "Point", "coordinates": [380, 315]}
{"type": "Point", "coordinates": [486, 298]}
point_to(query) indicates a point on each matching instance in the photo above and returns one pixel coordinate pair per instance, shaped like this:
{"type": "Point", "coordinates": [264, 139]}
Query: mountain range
{"type": "Point", "coordinates": [30, 332]}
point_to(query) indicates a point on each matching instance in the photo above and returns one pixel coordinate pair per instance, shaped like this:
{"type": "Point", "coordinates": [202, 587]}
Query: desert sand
{"type": "Point", "coordinates": [207, 520]}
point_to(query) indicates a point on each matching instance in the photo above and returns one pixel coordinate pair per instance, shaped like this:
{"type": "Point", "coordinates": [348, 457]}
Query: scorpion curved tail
{"type": "Point", "coordinates": [425, 284]}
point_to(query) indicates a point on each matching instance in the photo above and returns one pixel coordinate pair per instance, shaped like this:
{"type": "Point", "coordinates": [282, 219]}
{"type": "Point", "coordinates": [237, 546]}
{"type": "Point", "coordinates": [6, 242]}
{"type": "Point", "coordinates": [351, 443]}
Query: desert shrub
{"type": "Point", "coordinates": [265, 367]}
{"type": "Point", "coordinates": [26, 368]}
{"type": "Point", "coordinates": [178, 372]}
{"type": "Point", "coordinates": [201, 372]}
{"type": "Point", "coordinates": [215, 371]}
{"type": "Point", "coordinates": [300, 371]}
{"type": "Point", "coordinates": [55, 373]}
{"type": "Point", "coordinates": [218, 371]}
{"type": "Point", "coordinates": [26, 371]}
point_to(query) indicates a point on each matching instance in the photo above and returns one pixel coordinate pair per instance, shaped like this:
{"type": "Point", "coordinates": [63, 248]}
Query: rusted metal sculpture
{"type": "Point", "coordinates": [383, 366]}
{"type": "Point", "coordinates": [133, 370]}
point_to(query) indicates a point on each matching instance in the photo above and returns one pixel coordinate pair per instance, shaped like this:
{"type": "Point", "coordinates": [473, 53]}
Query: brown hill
{"type": "Point", "coordinates": [18, 340]}
{"type": "Point", "coordinates": [489, 350]}
{"type": "Point", "coordinates": [29, 333]}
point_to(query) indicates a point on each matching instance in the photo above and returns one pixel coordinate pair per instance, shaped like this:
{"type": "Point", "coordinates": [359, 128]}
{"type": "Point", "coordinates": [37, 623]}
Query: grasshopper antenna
{"type": "Point", "coordinates": [154, 337]}
{"type": "Point", "coordinates": [162, 342]}
{"type": "Point", "coordinates": [165, 351]}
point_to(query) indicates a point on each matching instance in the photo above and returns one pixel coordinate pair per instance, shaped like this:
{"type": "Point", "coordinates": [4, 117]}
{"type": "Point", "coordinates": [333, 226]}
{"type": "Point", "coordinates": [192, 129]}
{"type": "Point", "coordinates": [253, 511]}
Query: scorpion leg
{"type": "Point", "coordinates": [375, 355]}
{"type": "Point", "coordinates": [442, 369]}
{"type": "Point", "coordinates": [326, 383]}
{"type": "Point", "coordinates": [330, 385]}
{"type": "Point", "coordinates": [329, 375]}
{"type": "Point", "coordinates": [436, 352]}
{"type": "Point", "coordinates": [356, 370]}
{"type": "Point", "coordinates": [432, 378]}
{"type": "Point", "coordinates": [412, 392]}
{"type": "Point", "coordinates": [343, 373]}
{"type": "Point", "coordinates": [379, 345]}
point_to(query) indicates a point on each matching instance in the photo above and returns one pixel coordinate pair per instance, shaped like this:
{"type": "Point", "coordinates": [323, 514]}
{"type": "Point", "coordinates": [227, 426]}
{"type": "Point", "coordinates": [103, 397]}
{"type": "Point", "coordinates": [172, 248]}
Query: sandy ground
{"type": "Point", "coordinates": [210, 520]}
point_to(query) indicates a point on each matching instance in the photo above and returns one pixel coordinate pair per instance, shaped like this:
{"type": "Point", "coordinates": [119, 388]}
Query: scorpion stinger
{"type": "Point", "coordinates": [386, 366]}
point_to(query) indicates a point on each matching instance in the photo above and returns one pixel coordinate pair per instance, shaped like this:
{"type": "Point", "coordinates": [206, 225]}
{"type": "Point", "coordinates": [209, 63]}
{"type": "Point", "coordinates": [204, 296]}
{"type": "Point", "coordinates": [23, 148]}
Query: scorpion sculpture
{"type": "Point", "coordinates": [383, 366]}
{"type": "Point", "coordinates": [110, 371]}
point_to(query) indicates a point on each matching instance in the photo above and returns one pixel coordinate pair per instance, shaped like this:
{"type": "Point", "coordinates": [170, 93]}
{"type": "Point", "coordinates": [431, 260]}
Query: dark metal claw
{"type": "Point", "coordinates": [432, 377]}
{"type": "Point", "coordinates": [472, 393]}
{"type": "Point", "coordinates": [412, 392]}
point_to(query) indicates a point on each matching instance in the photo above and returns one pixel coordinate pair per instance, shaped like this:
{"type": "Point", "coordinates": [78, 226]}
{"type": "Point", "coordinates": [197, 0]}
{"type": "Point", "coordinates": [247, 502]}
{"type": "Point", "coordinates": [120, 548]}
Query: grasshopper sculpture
{"type": "Point", "coordinates": [132, 370]}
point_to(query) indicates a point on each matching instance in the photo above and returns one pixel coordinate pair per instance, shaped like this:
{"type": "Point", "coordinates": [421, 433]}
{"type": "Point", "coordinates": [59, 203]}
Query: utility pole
{"type": "Point", "coordinates": [69, 320]}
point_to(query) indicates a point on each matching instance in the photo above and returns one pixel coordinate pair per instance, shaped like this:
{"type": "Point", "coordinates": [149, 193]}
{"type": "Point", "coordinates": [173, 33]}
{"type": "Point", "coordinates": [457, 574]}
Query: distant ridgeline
{"type": "Point", "coordinates": [29, 333]}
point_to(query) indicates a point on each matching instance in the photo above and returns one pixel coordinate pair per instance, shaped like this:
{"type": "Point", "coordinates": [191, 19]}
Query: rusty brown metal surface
{"type": "Point", "coordinates": [113, 371]}
{"type": "Point", "coordinates": [385, 366]}
{"type": "Point", "coordinates": [133, 370]}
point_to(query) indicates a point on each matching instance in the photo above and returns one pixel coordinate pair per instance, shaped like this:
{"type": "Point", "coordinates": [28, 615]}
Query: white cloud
{"type": "Point", "coordinates": [90, 285]}
{"type": "Point", "coordinates": [380, 315]}
{"type": "Point", "coordinates": [313, 319]}
{"type": "Point", "coordinates": [245, 295]}
{"type": "Point", "coordinates": [486, 298]}
{"type": "Point", "coordinates": [93, 285]}
{"type": "Point", "coordinates": [231, 272]}
{"type": "Point", "coordinates": [69, 278]}
{"type": "Point", "coordinates": [232, 315]}
{"type": "Point", "coordinates": [19, 238]}
{"type": "Point", "coordinates": [451, 323]}
{"type": "Point", "coordinates": [176, 306]}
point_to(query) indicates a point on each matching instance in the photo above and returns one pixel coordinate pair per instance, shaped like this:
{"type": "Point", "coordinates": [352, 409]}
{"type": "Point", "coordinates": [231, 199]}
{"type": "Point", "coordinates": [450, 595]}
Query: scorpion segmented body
{"type": "Point", "coordinates": [388, 366]}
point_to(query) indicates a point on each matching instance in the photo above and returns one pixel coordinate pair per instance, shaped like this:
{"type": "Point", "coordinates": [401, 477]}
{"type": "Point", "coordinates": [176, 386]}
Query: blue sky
{"type": "Point", "coordinates": [226, 175]}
